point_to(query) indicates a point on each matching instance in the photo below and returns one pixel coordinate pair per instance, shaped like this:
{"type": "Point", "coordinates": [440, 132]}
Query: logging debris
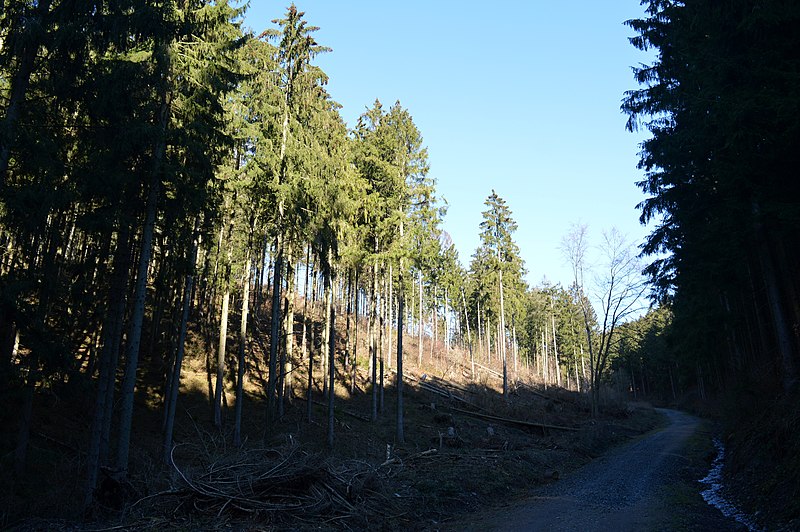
{"type": "Point", "coordinates": [279, 487]}
{"type": "Point", "coordinates": [424, 384]}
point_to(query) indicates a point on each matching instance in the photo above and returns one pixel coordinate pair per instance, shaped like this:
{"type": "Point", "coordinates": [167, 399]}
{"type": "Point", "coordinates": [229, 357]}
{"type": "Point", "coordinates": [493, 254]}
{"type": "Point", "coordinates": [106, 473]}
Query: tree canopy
{"type": "Point", "coordinates": [721, 102]}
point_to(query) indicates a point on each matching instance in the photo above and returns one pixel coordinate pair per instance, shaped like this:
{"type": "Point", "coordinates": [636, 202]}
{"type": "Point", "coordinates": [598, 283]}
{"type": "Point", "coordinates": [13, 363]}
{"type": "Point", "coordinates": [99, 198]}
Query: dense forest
{"type": "Point", "coordinates": [175, 190]}
{"type": "Point", "coordinates": [166, 174]}
{"type": "Point", "coordinates": [720, 175]}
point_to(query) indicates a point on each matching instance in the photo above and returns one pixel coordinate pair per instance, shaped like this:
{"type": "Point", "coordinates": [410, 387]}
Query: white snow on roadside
{"type": "Point", "coordinates": [713, 494]}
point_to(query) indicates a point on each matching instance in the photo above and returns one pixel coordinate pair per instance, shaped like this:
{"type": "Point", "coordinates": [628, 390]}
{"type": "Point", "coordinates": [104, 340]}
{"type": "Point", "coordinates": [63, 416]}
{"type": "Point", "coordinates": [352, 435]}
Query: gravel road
{"type": "Point", "coordinates": [626, 489]}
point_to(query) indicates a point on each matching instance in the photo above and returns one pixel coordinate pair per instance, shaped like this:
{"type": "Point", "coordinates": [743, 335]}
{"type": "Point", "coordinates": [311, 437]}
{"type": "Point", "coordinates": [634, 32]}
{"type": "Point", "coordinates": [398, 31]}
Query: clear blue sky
{"type": "Point", "coordinates": [520, 96]}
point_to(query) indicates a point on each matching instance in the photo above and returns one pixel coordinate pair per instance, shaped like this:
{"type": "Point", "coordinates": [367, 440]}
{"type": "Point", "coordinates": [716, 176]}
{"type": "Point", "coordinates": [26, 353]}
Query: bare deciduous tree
{"type": "Point", "coordinates": [615, 293]}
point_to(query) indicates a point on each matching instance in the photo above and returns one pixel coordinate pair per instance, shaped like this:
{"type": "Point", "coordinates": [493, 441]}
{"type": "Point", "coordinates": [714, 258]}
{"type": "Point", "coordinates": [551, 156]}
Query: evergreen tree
{"type": "Point", "coordinates": [398, 220]}
{"type": "Point", "coordinates": [498, 269]}
{"type": "Point", "coordinates": [645, 356]}
{"type": "Point", "coordinates": [298, 80]}
{"type": "Point", "coordinates": [722, 105]}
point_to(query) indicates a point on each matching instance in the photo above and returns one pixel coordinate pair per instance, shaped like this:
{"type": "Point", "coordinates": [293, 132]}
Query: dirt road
{"type": "Point", "coordinates": [627, 489]}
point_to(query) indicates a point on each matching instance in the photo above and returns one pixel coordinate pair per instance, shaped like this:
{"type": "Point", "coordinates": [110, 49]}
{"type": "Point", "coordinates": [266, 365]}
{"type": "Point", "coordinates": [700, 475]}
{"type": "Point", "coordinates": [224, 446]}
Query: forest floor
{"type": "Point", "coordinates": [466, 449]}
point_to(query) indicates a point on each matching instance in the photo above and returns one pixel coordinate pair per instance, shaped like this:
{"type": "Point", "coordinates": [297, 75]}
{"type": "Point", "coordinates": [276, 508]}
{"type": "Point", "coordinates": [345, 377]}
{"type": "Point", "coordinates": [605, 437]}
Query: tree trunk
{"type": "Point", "coordinates": [421, 314]}
{"type": "Point", "coordinates": [433, 330]}
{"type": "Point", "coordinates": [412, 311]}
{"type": "Point", "coordinates": [330, 320]}
{"type": "Point", "coordinates": [348, 311]}
{"type": "Point", "coordinates": [502, 339]}
{"type": "Point", "coordinates": [306, 320]}
{"type": "Point", "coordinates": [158, 304]}
{"type": "Point", "coordinates": [288, 327]}
{"type": "Point", "coordinates": [272, 379]}
{"type": "Point", "coordinates": [583, 368]}
{"type": "Point", "coordinates": [307, 356]}
{"type": "Point", "coordinates": [237, 427]}
{"type": "Point", "coordinates": [323, 342]}
{"type": "Point", "coordinates": [109, 359]}
{"type": "Point", "coordinates": [434, 319]}
{"type": "Point", "coordinates": [514, 345]}
{"type": "Point", "coordinates": [389, 320]}
{"type": "Point", "coordinates": [269, 263]}
{"type": "Point", "coordinates": [488, 333]}
{"type": "Point", "coordinates": [399, 432]}
{"type": "Point", "coordinates": [644, 382]}
{"type": "Point", "coordinates": [310, 387]}
{"type": "Point", "coordinates": [223, 339]}
{"type": "Point", "coordinates": [175, 376]}
{"type": "Point", "coordinates": [446, 324]}
{"type": "Point", "coordinates": [140, 293]}
{"type": "Point", "coordinates": [274, 338]}
{"type": "Point", "coordinates": [220, 398]}
{"type": "Point", "coordinates": [594, 381]}
{"type": "Point", "coordinates": [555, 351]}
{"type": "Point", "coordinates": [373, 340]}
{"type": "Point", "coordinates": [354, 360]}
{"type": "Point", "coordinates": [480, 331]}
{"type": "Point", "coordinates": [469, 334]}
{"type": "Point", "coordinates": [544, 361]}
{"type": "Point", "coordinates": [399, 435]}
{"type": "Point", "coordinates": [381, 343]}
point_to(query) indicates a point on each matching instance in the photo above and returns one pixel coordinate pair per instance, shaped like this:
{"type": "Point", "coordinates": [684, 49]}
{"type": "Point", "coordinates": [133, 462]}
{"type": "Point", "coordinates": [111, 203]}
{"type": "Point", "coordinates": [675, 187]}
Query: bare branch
{"type": "Point", "coordinates": [617, 288]}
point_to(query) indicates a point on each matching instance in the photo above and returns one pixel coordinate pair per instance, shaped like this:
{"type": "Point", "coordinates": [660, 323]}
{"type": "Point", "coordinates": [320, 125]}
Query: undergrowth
{"type": "Point", "coordinates": [762, 435]}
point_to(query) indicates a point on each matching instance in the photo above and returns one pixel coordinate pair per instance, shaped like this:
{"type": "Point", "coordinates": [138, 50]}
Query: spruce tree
{"type": "Point", "coordinates": [721, 102]}
{"type": "Point", "coordinates": [498, 268]}
{"type": "Point", "coordinates": [297, 80]}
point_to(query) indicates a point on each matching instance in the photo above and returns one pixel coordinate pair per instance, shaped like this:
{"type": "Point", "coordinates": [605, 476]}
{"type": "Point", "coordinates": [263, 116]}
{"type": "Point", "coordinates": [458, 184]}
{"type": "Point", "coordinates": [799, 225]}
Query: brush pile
{"type": "Point", "coordinates": [272, 487]}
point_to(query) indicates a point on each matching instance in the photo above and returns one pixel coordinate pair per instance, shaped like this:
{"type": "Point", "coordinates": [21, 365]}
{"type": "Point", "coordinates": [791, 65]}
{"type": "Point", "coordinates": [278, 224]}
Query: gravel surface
{"type": "Point", "coordinates": [626, 489]}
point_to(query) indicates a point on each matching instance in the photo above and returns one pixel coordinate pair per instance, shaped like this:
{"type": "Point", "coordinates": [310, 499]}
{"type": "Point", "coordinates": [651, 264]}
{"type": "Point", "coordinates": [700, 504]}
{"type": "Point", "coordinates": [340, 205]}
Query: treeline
{"type": "Point", "coordinates": [165, 173]}
{"type": "Point", "coordinates": [721, 102]}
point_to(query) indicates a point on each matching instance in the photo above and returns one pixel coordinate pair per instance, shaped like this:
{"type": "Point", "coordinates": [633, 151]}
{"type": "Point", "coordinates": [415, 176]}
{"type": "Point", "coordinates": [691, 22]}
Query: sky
{"type": "Point", "coordinates": [520, 97]}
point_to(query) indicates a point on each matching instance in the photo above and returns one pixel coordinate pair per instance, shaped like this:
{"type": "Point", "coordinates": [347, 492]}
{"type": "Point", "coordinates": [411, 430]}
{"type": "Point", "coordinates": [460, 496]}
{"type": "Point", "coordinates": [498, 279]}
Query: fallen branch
{"type": "Point", "coordinates": [413, 456]}
{"type": "Point", "coordinates": [348, 412]}
{"type": "Point", "coordinates": [287, 488]}
{"type": "Point", "coordinates": [489, 370]}
{"type": "Point", "coordinates": [433, 388]}
{"type": "Point", "coordinates": [60, 443]}
{"type": "Point", "coordinates": [511, 421]}
{"type": "Point", "coordinates": [448, 384]}
{"type": "Point", "coordinates": [538, 393]}
{"type": "Point", "coordinates": [518, 384]}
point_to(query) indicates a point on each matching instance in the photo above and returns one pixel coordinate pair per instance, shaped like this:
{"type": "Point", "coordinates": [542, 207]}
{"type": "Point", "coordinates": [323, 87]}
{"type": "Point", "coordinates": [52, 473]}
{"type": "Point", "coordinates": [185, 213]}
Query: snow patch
{"type": "Point", "coordinates": [713, 494]}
